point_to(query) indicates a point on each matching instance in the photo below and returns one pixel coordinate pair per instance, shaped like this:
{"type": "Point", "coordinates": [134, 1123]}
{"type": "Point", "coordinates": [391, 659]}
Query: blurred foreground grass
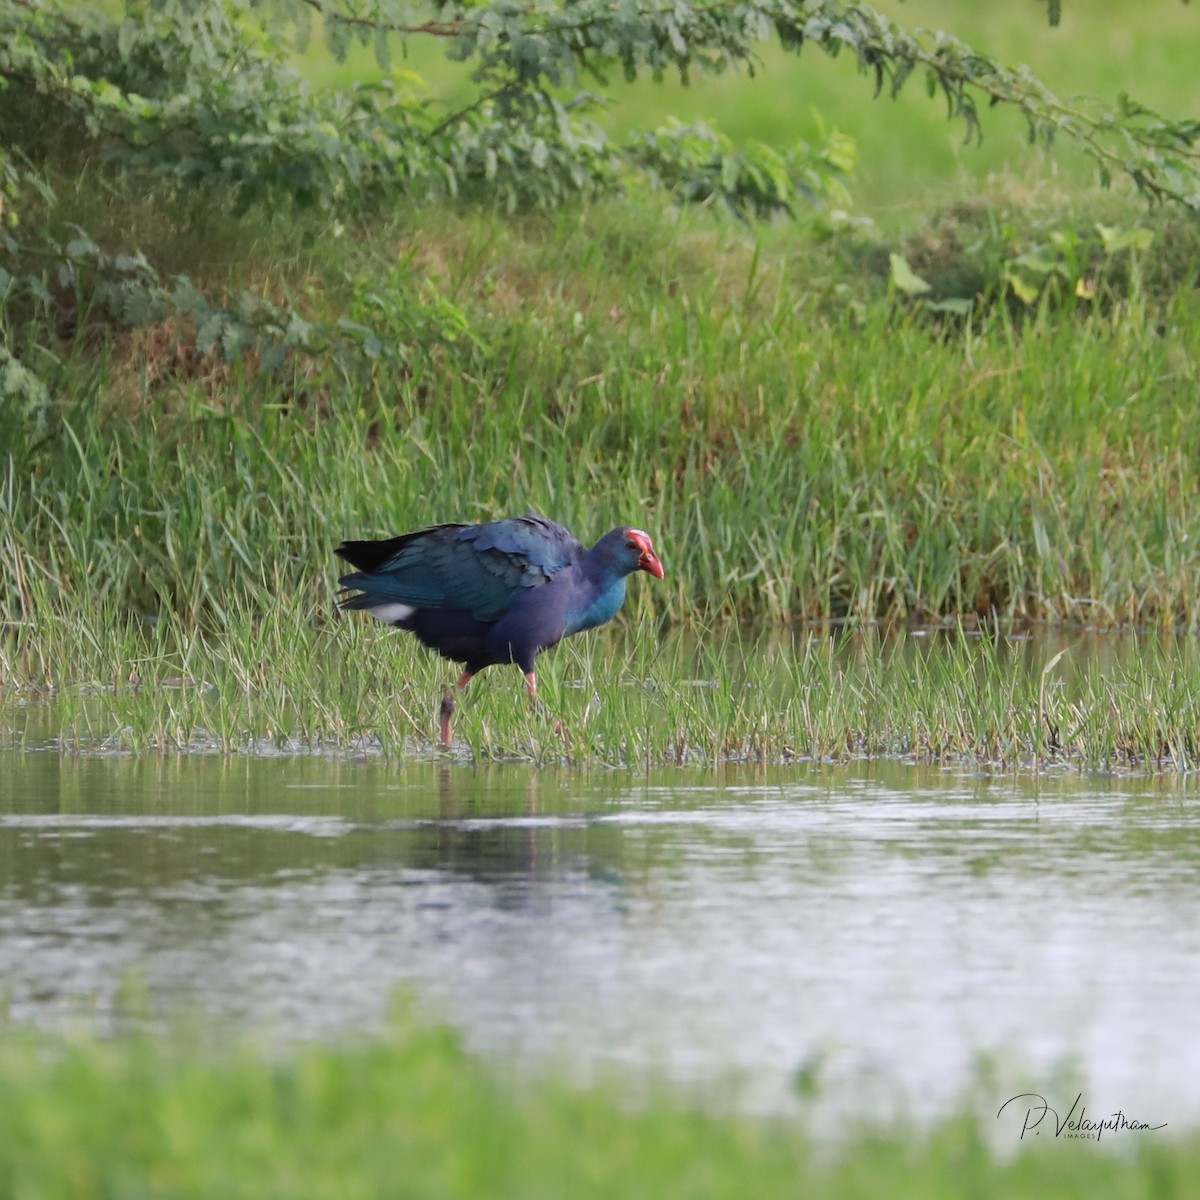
{"type": "Point", "coordinates": [412, 1115]}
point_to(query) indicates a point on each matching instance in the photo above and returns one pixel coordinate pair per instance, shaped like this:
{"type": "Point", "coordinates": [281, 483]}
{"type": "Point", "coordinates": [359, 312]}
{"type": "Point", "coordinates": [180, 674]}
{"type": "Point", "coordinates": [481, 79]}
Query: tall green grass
{"type": "Point", "coordinates": [796, 453]}
{"type": "Point", "coordinates": [412, 1115]}
{"type": "Point", "coordinates": [291, 679]}
{"type": "Point", "coordinates": [803, 444]}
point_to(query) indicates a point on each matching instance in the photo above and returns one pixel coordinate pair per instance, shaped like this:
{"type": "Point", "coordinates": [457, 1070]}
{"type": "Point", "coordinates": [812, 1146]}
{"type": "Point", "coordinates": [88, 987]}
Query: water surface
{"type": "Point", "coordinates": [877, 927]}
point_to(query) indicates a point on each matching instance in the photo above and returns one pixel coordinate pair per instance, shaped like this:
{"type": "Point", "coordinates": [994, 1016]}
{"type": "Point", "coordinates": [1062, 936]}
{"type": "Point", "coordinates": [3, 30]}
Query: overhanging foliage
{"type": "Point", "coordinates": [199, 94]}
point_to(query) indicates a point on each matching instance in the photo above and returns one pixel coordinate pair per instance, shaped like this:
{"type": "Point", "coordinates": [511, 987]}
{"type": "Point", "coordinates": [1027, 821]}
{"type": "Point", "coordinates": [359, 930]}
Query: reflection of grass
{"type": "Point", "coordinates": [412, 1115]}
{"type": "Point", "coordinates": [908, 149]}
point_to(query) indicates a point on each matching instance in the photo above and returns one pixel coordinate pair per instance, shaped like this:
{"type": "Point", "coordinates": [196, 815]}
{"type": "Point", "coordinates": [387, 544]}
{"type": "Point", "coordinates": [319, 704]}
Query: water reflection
{"type": "Point", "coordinates": [887, 923]}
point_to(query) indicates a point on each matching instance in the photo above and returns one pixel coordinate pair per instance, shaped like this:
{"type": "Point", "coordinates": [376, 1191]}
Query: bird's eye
{"type": "Point", "coordinates": [631, 545]}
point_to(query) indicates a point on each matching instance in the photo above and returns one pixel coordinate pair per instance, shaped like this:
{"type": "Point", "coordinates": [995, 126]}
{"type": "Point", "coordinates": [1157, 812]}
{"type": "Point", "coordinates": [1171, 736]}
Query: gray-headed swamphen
{"type": "Point", "coordinates": [494, 593]}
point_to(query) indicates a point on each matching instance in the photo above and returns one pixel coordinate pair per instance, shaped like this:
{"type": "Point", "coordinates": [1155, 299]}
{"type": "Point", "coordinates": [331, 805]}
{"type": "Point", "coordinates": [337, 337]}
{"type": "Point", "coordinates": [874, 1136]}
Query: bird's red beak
{"type": "Point", "coordinates": [648, 561]}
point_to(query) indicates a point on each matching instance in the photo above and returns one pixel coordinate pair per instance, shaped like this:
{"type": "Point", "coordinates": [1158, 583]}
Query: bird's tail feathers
{"type": "Point", "coordinates": [352, 600]}
{"type": "Point", "coordinates": [370, 555]}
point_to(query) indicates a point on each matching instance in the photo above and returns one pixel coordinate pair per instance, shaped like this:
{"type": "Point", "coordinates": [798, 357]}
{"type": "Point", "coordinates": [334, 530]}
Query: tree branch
{"type": "Point", "coordinates": [455, 117]}
{"type": "Point", "coordinates": [446, 29]}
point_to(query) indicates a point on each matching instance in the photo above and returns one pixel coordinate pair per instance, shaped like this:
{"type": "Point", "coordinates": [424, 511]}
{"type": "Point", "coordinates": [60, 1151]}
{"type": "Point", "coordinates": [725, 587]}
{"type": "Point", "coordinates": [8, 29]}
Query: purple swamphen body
{"type": "Point", "coordinates": [495, 593]}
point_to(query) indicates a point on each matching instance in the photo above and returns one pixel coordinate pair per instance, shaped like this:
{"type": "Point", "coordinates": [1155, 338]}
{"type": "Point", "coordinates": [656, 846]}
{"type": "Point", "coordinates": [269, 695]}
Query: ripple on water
{"type": "Point", "coordinates": [879, 926]}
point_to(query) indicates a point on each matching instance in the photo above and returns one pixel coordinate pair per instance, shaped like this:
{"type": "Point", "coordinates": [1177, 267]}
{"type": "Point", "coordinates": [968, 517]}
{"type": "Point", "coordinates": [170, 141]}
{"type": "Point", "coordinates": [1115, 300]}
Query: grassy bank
{"type": "Point", "coordinates": [413, 1115]}
{"type": "Point", "coordinates": [807, 435]}
{"type": "Point", "coordinates": [799, 446]}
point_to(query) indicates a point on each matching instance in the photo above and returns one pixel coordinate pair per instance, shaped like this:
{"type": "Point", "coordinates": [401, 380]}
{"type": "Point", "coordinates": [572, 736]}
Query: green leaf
{"type": "Point", "coordinates": [1039, 264]}
{"type": "Point", "coordinates": [956, 305]}
{"type": "Point", "coordinates": [730, 170]}
{"type": "Point", "coordinates": [81, 247]}
{"type": "Point", "coordinates": [904, 279]}
{"type": "Point", "coordinates": [1116, 239]}
{"type": "Point", "coordinates": [1025, 291]}
{"type": "Point", "coordinates": [383, 49]}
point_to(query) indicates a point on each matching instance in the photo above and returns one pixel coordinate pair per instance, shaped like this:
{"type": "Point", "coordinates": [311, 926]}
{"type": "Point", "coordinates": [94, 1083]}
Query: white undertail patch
{"type": "Point", "coordinates": [389, 614]}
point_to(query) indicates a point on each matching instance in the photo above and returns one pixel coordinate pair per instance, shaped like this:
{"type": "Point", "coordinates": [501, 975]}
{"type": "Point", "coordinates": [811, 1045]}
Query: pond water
{"type": "Point", "coordinates": [874, 928]}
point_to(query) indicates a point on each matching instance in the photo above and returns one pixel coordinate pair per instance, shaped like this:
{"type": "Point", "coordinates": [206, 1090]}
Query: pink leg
{"type": "Point", "coordinates": [448, 707]}
{"type": "Point", "coordinates": [531, 688]}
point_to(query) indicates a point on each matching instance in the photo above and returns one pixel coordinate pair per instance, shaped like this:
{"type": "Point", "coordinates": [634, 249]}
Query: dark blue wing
{"type": "Point", "coordinates": [480, 569]}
